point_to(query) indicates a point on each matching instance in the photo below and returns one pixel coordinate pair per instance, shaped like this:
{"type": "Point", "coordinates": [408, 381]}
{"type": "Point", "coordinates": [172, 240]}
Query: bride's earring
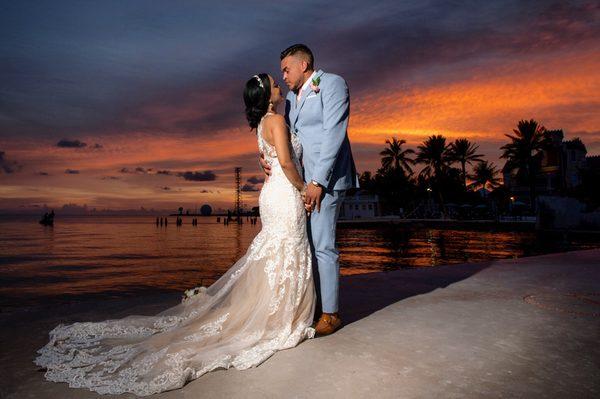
{"type": "Point", "coordinates": [270, 105]}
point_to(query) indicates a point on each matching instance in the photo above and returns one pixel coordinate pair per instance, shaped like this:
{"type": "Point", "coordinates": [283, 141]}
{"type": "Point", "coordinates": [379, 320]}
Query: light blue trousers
{"type": "Point", "coordinates": [326, 267]}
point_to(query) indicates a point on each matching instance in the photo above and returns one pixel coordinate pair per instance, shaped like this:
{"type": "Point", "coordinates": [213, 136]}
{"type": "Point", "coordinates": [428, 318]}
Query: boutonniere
{"type": "Point", "coordinates": [314, 84]}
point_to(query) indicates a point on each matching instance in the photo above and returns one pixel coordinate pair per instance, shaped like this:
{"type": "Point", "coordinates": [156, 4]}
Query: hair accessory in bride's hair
{"type": "Point", "coordinates": [260, 83]}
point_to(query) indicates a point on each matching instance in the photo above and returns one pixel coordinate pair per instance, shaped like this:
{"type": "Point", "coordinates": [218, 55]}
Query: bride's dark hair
{"type": "Point", "coordinates": [256, 98]}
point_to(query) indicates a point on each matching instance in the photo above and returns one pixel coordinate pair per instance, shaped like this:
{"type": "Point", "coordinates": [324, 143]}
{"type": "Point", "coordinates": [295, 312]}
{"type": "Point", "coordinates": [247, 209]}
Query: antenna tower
{"type": "Point", "coordinates": [238, 192]}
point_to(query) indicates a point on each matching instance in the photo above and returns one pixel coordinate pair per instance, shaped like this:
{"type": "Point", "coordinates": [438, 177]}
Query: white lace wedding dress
{"type": "Point", "coordinates": [264, 303]}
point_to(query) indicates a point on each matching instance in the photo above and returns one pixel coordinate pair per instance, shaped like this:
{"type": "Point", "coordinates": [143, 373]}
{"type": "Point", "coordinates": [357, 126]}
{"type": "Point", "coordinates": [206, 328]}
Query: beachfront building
{"type": "Point", "coordinates": [360, 205]}
{"type": "Point", "coordinates": [560, 168]}
{"type": "Point", "coordinates": [592, 164]}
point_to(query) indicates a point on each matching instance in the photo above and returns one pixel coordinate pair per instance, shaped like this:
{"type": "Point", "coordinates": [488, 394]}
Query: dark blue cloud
{"type": "Point", "coordinates": [65, 143]}
{"type": "Point", "coordinates": [90, 67]}
{"type": "Point", "coordinates": [137, 170]}
{"type": "Point", "coordinates": [8, 166]}
{"type": "Point", "coordinates": [249, 188]}
{"type": "Point", "coordinates": [207, 175]}
{"type": "Point", "coordinates": [255, 180]}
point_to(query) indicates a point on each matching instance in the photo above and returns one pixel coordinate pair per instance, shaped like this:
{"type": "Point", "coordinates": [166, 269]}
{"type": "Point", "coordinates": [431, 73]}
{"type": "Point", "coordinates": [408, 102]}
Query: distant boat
{"type": "Point", "coordinates": [48, 219]}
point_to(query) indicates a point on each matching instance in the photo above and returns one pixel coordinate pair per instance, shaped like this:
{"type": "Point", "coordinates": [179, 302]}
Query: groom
{"type": "Point", "coordinates": [317, 111]}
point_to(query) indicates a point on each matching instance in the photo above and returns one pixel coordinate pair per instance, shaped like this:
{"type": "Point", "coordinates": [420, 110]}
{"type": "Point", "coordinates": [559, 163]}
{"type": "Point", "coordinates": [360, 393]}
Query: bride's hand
{"type": "Point", "coordinates": [308, 208]}
{"type": "Point", "coordinates": [303, 192]}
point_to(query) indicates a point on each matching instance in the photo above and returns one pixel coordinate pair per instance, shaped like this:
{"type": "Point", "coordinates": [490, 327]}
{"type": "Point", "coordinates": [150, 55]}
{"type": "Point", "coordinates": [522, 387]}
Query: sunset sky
{"type": "Point", "coordinates": [124, 104]}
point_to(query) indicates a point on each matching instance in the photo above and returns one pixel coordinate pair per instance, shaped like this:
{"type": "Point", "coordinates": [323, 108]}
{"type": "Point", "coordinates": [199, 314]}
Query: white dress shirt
{"type": "Point", "coordinates": [305, 86]}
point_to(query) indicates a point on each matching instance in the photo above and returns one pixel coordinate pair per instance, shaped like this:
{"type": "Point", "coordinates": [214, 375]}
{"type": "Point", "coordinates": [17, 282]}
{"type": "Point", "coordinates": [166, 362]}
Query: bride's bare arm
{"type": "Point", "coordinates": [281, 139]}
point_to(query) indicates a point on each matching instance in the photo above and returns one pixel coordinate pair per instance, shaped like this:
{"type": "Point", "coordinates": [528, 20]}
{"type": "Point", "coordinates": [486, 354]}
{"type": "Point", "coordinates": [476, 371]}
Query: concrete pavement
{"type": "Point", "coordinates": [518, 328]}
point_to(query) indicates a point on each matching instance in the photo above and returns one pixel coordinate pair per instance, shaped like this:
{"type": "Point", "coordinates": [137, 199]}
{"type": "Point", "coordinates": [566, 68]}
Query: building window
{"type": "Point", "coordinates": [370, 206]}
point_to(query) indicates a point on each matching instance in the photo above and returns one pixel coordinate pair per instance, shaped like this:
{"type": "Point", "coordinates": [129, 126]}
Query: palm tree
{"type": "Point", "coordinates": [366, 181]}
{"type": "Point", "coordinates": [395, 157]}
{"type": "Point", "coordinates": [464, 152]}
{"type": "Point", "coordinates": [484, 175]}
{"type": "Point", "coordinates": [435, 155]}
{"type": "Point", "coordinates": [525, 151]}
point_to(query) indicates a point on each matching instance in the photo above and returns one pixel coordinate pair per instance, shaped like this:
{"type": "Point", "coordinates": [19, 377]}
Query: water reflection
{"type": "Point", "coordinates": [238, 242]}
{"type": "Point", "coordinates": [129, 255]}
{"type": "Point", "coordinates": [394, 247]}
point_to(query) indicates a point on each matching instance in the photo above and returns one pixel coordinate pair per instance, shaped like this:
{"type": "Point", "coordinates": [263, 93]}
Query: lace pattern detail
{"type": "Point", "coordinates": [208, 329]}
{"type": "Point", "coordinates": [271, 154]}
{"type": "Point", "coordinates": [221, 327]}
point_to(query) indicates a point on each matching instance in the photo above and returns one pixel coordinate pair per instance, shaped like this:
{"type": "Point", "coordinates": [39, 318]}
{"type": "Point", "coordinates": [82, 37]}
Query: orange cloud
{"type": "Point", "coordinates": [560, 91]}
{"type": "Point", "coordinates": [94, 186]}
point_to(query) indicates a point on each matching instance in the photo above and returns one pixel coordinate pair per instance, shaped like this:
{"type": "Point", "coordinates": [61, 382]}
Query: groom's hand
{"type": "Point", "coordinates": [314, 195]}
{"type": "Point", "coordinates": [265, 166]}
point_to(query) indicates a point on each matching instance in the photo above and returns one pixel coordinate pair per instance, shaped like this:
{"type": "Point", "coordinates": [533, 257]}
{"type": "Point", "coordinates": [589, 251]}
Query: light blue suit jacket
{"type": "Point", "coordinates": [321, 120]}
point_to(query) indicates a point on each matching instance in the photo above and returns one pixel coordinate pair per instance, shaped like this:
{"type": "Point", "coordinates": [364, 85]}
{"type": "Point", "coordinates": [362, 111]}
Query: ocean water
{"type": "Point", "coordinates": [85, 257]}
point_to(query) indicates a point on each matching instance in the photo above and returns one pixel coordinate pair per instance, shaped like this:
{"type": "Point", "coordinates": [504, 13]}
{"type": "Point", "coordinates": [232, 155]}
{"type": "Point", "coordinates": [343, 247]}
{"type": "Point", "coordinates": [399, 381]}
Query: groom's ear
{"type": "Point", "coordinates": [304, 65]}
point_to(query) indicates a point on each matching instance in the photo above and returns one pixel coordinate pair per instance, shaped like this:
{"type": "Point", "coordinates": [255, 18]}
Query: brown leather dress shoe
{"type": "Point", "coordinates": [328, 323]}
{"type": "Point", "coordinates": [316, 318]}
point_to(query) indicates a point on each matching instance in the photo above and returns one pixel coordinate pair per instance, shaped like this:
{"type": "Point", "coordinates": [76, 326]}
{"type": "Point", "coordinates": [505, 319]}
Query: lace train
{"type": "Point", "coordinates": [264, 303]}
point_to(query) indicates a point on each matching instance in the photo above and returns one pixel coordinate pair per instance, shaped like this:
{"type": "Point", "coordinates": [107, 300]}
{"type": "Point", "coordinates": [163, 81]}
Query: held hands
{"type": "Point", "coordinates": [307, 207]}
{"type": "Point", "coordinates": [303, 195]}
{"type": "Point", "coordinates": [313, 197]}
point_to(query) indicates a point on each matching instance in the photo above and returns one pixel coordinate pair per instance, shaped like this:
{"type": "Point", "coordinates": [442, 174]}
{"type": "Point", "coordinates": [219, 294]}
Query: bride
{"type": "Point", "coordinates": [264, 303]}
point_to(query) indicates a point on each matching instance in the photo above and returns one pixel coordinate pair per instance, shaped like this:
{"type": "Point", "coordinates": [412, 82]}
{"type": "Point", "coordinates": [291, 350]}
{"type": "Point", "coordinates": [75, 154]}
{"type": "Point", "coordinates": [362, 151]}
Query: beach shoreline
{"type": "Point", "coordinates": [503, 328]}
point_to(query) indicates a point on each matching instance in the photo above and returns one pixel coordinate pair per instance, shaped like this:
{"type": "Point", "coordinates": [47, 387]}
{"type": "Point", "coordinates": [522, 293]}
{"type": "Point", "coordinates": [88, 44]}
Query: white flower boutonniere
{"type": "Point", "coordinates": [314, 84]}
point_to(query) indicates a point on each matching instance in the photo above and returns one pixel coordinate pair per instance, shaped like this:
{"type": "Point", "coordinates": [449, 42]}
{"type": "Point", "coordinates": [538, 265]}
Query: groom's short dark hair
{"type": "Point", "coordinates": [299, 48]}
